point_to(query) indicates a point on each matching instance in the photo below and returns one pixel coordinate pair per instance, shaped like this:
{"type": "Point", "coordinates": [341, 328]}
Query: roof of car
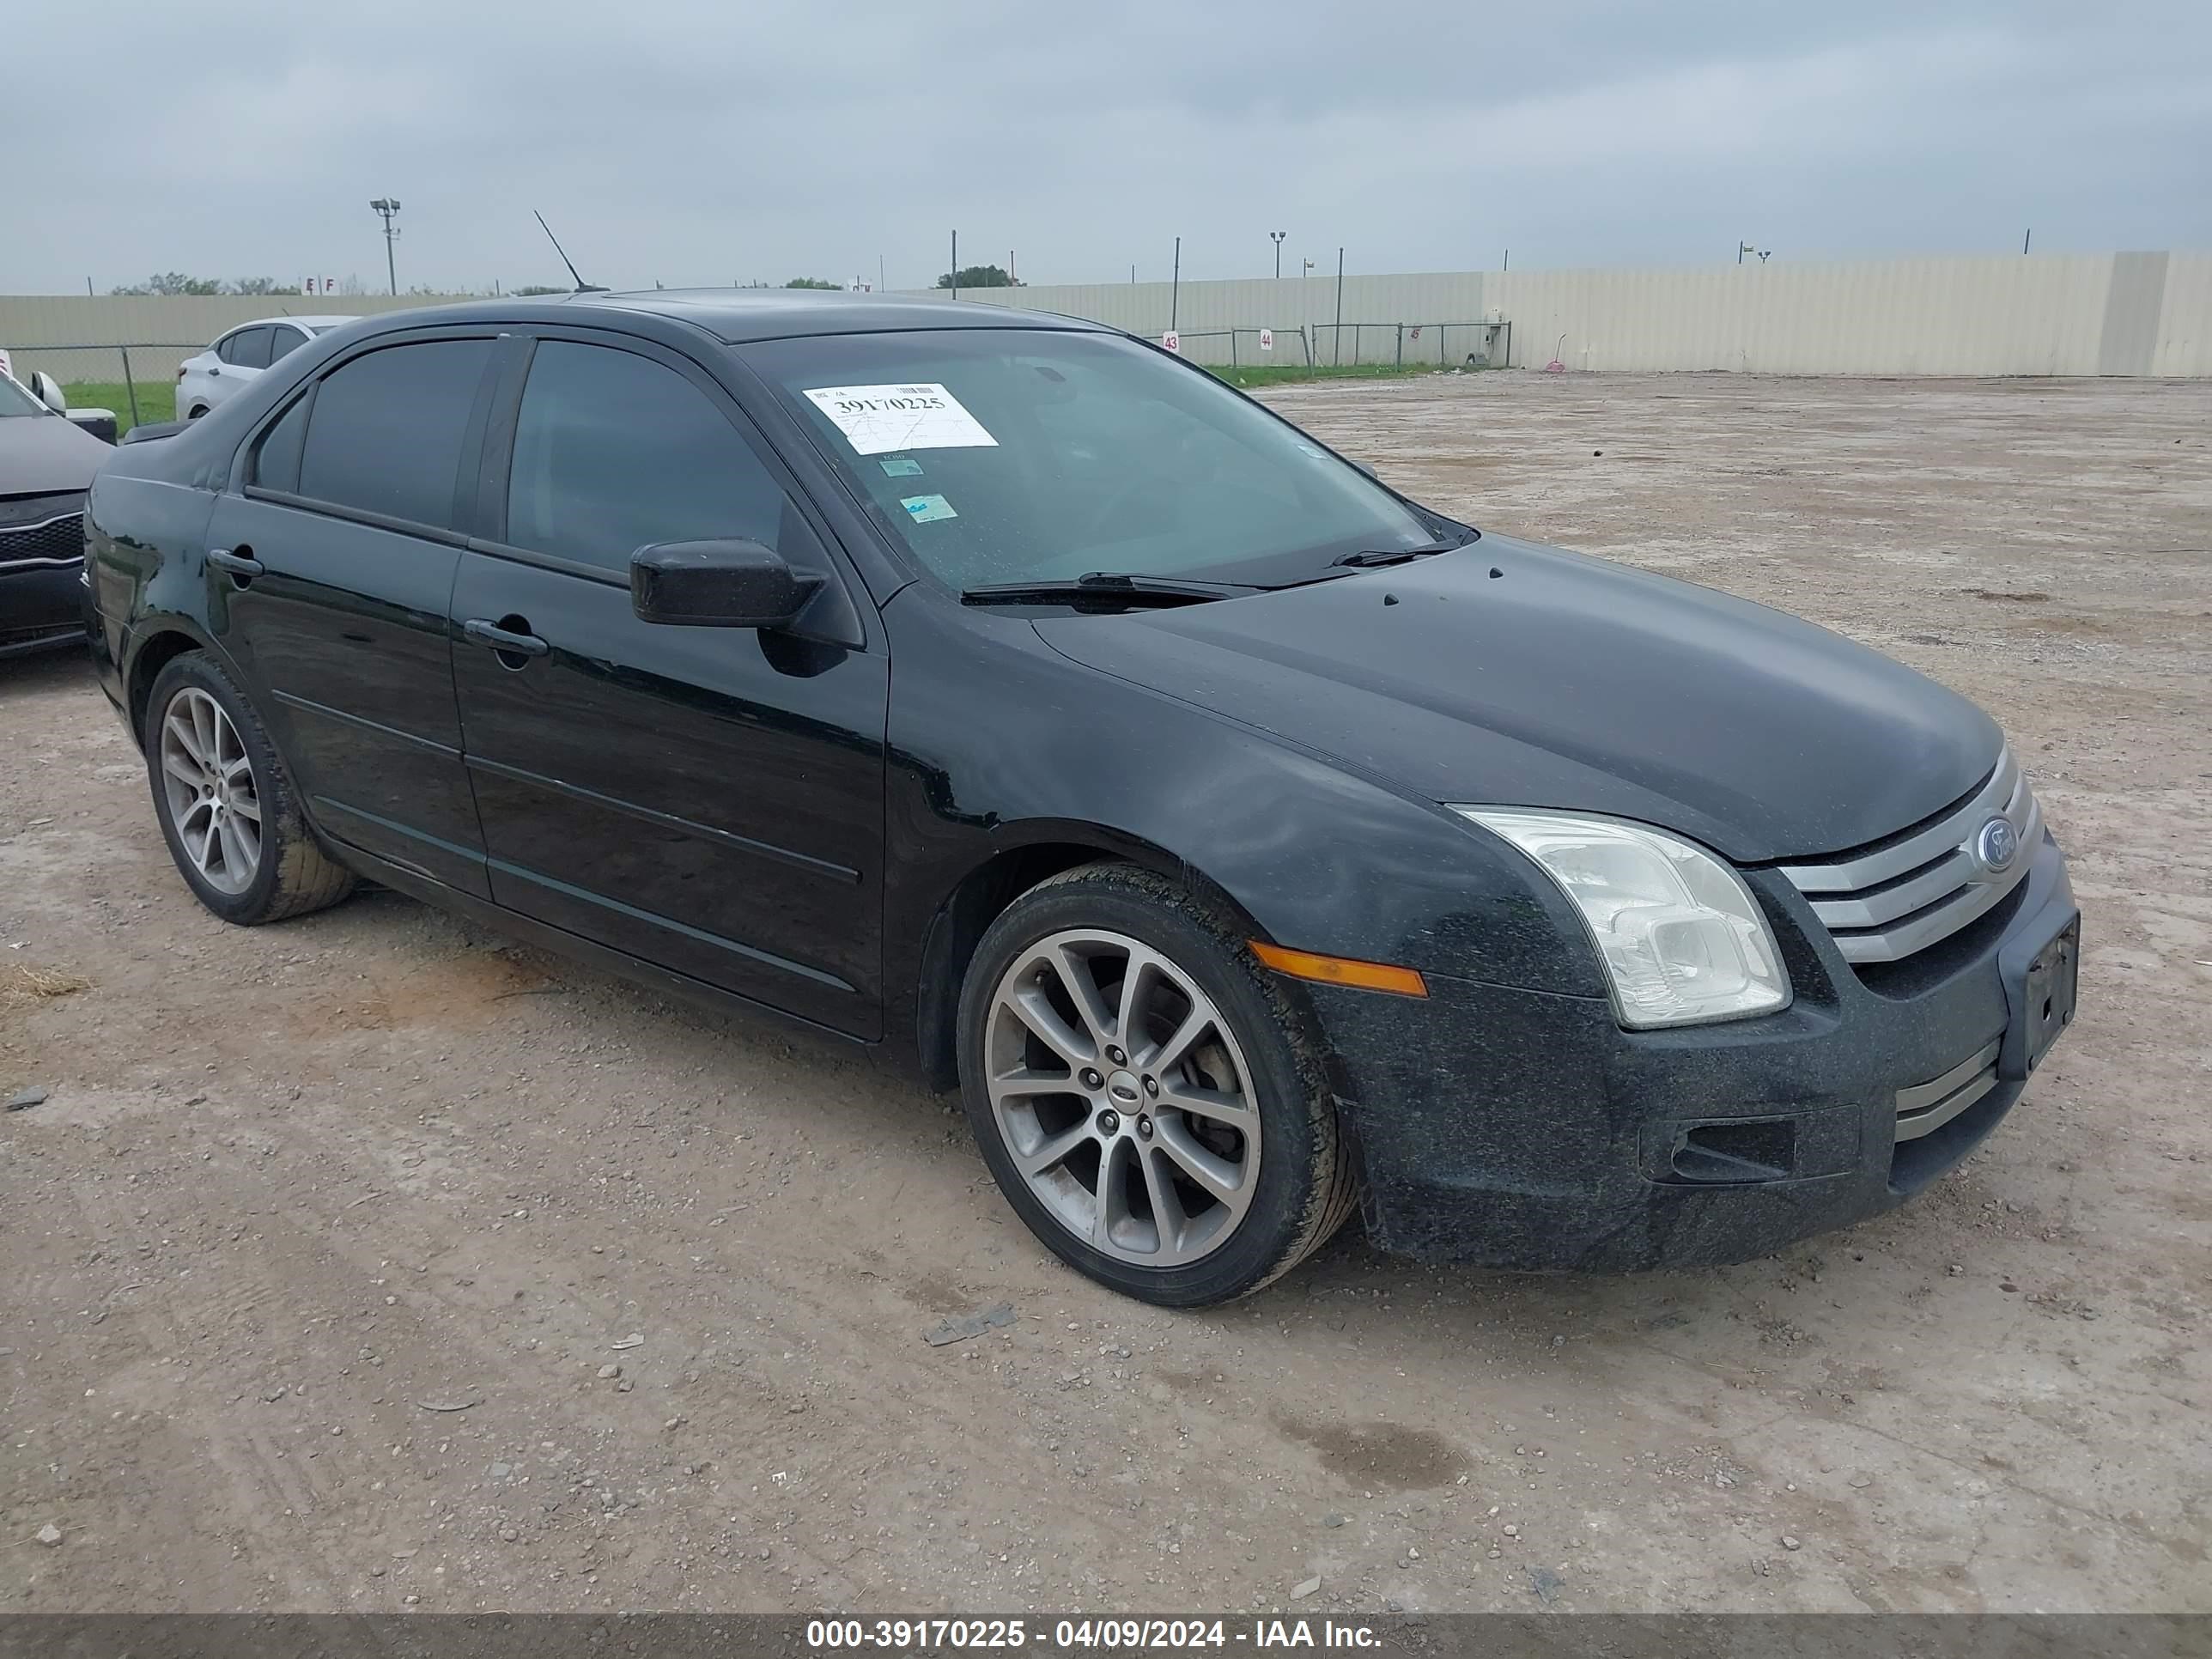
{"type": "Point", "coordinates": [735, 315]}
{"type": "Point", "coordinates": [304, 322]}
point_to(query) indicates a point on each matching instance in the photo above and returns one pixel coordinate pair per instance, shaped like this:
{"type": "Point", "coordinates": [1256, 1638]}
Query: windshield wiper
{"type": "Point", "coordinates": [1112, 587]}
{"type": "Point", "coordinates": [1379, 556]}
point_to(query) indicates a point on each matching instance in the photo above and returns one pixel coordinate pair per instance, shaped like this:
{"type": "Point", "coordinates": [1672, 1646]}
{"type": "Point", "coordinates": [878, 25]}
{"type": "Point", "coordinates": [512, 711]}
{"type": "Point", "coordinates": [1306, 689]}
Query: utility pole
{"type": "Point", "coordinates": [1174, 287]}
{"type": "Point", "coordinates": [1339, 330]}
{"type": "Point", "coordinates": [388, 209]}
{"type": "Point", "coordinates": [956, 264]}
{"type": "Point", "coordinates": [2026, 237]}
{"type": "Point", "coordinates": [1276, 237]}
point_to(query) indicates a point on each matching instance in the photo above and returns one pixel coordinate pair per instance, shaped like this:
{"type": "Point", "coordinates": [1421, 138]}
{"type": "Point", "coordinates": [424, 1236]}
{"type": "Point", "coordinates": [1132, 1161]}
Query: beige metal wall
{"type": "Point", "coordinates": [2109, 313]}
{"type": "Point", "coordinates": [2113, 313]}
{"type": "Point", "coordinates": [162, 330]}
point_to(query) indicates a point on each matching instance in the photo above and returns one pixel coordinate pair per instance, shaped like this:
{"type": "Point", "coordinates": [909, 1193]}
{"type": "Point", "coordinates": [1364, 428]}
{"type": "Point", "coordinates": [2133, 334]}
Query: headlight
{"type": "Point", "coordinates": [1681, 937]}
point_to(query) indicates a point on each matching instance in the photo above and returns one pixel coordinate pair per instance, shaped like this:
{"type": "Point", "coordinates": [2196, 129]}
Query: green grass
{"type": "Point", "coordinates": [1250, 374]}
{"type": "Point", "coordinates": [157, 399]}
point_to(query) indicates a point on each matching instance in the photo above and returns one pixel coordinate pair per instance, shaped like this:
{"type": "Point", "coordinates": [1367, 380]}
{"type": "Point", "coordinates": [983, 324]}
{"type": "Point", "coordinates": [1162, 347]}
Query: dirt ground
{"type": "Point", "coordinates": [366, 1262]}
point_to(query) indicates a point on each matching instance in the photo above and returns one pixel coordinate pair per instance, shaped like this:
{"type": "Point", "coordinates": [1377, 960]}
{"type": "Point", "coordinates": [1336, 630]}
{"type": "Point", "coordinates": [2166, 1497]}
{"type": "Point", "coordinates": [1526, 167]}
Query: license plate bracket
{"type": "Point", "coordinates": [2042, 994]}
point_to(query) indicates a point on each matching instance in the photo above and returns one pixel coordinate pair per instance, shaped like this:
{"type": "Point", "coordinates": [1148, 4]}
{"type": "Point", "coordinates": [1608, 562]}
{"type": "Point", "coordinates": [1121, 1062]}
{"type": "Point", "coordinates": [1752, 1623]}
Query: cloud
{"type": "Point", "coordinates": [696, 142]}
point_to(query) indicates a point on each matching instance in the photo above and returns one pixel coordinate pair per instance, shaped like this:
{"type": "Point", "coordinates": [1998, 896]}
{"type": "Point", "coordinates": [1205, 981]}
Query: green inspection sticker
{"type": "Point", "coordinates": [899, 467]}
{"type": "Point", "coordinates": [927, 509]}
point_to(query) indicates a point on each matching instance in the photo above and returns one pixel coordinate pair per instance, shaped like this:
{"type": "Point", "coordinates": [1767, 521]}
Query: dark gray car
{"type": "Point", "coordinates": [46, 463]}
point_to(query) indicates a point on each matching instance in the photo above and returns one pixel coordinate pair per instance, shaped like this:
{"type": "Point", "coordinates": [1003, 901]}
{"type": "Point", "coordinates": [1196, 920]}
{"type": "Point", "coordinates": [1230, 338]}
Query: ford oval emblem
{"type": "Point", "coordinates": [1997, 846]}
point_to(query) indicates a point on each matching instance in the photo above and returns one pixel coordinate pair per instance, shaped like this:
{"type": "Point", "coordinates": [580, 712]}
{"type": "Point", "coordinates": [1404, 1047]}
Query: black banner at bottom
{"type": "Point", "coordinates": [733, 1636]}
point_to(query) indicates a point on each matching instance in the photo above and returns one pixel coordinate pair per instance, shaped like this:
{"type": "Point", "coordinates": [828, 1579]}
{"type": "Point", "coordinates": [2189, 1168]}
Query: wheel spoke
{"type": "Point", "coordinates": [1217, 1175]}
{"type": "Point", "coordinates": [236, 864]}
{"type": "Point", "coordinates": [247, 808]}
{"type": "Point", "coordinates": [1169, 1054]}
{"type": "Point", "coordinates": [237, 768]}
{"type": "Point", "coordinates": [1052, 1150]}
{"type": "Point", "coordinates": [1082, 985]}
{"type": "Point", "coordinates": [182, 767]}
{"type": "Point", "coordinates": [204, 810]}
{"type": "Point", "coordinates": [1108, 1206]}
{"type": "Point", "coordinates": [1168, 1218]}
{"type": "Point", "coordinates": [206, 847]}
{"type": "Point", "coordinates": [181, 728]}
{"type": "Point", "coordinates": [1232, 1109]}
{"type": "Point", "coordinates": [1031, 1006]}
{"type": "Point", "coordinates": [1129, 1020]}
{"type": "Point", "coordinates": [205, 728]}
{"type": "Point", "coordinates": [247, 834]}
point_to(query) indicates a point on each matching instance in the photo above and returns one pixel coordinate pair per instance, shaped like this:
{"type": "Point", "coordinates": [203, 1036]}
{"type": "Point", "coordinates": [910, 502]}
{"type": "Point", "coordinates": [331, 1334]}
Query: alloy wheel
{"type": "Point", "coordinates": [1122, 1096]}
{"type": "Point", "coordinates": [209, 783]}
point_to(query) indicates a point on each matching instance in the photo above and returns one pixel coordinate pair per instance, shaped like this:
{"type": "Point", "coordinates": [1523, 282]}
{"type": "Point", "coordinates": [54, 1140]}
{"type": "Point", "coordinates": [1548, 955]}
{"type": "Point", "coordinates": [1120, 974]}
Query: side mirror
{"type": "Point", "coordinates": [732, 583]}
{"type": "Point", "coordinates": [147, 431]}
{"type": "Point", "coordinates": [100, 423]}
{"type": "Point", "coordinates": [49, 391]}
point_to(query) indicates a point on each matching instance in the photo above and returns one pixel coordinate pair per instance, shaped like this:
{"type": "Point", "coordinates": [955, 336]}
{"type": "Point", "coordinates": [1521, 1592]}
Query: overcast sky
{"type": "Point", "coordinates": [714, 141]}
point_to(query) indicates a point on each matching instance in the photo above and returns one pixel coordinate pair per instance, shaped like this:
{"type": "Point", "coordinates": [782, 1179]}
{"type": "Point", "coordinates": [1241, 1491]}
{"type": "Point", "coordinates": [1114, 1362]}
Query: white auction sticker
{"type": "Point", "coordinates": [877, 419]}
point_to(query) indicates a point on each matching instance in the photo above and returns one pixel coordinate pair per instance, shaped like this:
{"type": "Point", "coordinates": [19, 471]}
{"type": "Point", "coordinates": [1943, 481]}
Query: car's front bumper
{"type": "Point", "coordinates": [1524, 1129]}
{"type": "Point", "coordinates": [41, 604]}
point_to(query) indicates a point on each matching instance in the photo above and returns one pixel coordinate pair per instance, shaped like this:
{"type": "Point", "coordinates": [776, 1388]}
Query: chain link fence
{"type": "Point", "coordinates": [145, 369]}
{"type": "Point", "coordinates": [1330, 346]}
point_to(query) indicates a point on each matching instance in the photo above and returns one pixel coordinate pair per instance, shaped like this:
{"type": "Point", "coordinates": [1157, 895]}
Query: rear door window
{"type": "Point", "coordinates": [282, 340]}
{"type": "Point", "coordinates": [387, 429]}
{"type": "Point", "coordinates": [247, 349]}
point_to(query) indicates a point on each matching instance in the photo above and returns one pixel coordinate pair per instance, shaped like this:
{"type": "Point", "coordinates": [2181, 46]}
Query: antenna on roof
{"type": "Point", "coordinates": [582, 286]}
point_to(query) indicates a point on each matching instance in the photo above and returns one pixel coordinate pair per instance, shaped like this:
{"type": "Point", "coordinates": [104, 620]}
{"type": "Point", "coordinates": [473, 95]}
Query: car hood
{"type": "Point", "coordinates": [45, 454]}
{"type": "Point", "coordinates": [1512, 674]}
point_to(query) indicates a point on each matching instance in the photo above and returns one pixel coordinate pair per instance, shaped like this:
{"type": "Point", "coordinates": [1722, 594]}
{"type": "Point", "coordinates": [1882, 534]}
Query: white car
{"type": "Point", "coordinates": [232, 362]}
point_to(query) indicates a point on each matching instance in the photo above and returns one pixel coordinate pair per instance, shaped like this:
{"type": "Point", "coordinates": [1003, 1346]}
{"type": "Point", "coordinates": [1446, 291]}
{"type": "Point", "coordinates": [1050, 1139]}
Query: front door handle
{"type": "Point", "coordinates": [239, 565]}
{"type": "Point", "coordinates": [502, 639]}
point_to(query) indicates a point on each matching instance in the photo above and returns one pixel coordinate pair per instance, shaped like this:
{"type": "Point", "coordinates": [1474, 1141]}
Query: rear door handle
{"type": "Point", "coordinates": [239, 565]}
{"type": "Point", "coordinates": [499, 639]}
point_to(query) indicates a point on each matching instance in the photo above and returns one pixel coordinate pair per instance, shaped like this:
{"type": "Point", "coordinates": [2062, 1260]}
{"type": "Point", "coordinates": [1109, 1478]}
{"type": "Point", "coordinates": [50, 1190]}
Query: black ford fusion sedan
{"type": "Point", "coordinates": [1250, 844]}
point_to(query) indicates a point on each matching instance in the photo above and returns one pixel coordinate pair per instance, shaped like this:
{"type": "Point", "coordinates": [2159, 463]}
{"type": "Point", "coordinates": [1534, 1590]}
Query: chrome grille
{"type": "Point", "coordinates": [1885, 904]}
{"type": "Point", "coordinates": [57, 541]}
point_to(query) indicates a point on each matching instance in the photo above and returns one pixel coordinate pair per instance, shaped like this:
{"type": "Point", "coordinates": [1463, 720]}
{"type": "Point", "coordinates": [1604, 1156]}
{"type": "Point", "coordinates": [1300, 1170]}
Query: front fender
{"type": "Point", "coordinates": [998, 742]}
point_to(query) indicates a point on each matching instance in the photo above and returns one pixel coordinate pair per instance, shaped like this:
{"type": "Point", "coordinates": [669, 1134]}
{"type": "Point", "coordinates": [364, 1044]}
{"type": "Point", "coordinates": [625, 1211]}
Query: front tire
{"type": "Point", "coordinates": [1147, 1099]}
{"type": "Point", "coordinates": [226, 803]}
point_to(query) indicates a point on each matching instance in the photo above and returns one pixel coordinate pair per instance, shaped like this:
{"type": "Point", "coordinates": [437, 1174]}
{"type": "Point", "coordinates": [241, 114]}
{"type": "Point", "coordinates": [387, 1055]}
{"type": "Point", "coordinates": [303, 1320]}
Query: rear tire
{"type": "Point", "coordinates": [225, 803]}
{"type": "Point", "coordinates": [1194, 1153]}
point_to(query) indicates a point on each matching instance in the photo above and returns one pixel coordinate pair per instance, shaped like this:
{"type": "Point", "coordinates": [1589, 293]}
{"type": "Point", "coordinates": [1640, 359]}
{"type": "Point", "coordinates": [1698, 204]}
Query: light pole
{"type": "Point", "coordinates": [388, 208]}
{"type": "Point", "coordinates": [1276, 237]}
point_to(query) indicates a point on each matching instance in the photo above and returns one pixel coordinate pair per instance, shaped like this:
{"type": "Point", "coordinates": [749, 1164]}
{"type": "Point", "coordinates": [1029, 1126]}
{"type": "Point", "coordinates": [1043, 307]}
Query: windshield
{"type": "Point", "coordinates": [14, 400]}
{"type": "Point", "coordinates": [1017, 455]}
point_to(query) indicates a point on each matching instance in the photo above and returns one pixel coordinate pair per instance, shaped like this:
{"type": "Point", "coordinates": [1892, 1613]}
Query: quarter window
{"type": "Point", "coordinates": [387, 433]}
{"type": "Point", "coordinates": [614, 452]}
{"type": "Point", "coordinates": [276, 461]}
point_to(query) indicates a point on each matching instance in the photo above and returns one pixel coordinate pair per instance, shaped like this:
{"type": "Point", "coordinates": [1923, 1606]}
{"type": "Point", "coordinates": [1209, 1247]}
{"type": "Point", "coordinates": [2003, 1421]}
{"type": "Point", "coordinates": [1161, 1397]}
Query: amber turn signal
{"type": "Point", "coordinates": [1341, 970]}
